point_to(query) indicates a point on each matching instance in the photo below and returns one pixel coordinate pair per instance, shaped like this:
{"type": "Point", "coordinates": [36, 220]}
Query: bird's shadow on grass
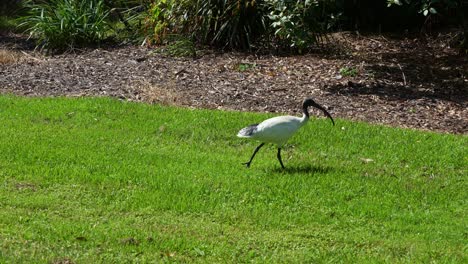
{"type": "Point", "coordinates": [307, 169]}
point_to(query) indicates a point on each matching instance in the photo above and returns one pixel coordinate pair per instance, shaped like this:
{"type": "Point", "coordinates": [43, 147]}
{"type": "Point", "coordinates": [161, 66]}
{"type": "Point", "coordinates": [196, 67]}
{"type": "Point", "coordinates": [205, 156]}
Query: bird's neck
{"type": "Point", "coordinates": [305, 118]}
{"type": "Point", "coordinates": [305, 114]}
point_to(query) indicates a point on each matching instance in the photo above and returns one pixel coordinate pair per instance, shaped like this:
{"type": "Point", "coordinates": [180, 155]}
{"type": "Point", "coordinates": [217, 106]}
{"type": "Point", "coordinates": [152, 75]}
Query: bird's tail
{"type": "Point", "coordinates": [247, 132]}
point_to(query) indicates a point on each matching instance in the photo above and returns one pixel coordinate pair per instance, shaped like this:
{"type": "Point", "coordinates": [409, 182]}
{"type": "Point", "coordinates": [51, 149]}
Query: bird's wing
{"type": "Point", "coordinates": [278, 129]}
{"type": "Point", "coordinates": [280, 123]}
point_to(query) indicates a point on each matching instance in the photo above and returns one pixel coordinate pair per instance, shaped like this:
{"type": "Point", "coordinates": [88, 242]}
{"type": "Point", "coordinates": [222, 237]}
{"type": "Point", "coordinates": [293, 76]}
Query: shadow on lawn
{"type": "Point", "coordinates": [309, 169]}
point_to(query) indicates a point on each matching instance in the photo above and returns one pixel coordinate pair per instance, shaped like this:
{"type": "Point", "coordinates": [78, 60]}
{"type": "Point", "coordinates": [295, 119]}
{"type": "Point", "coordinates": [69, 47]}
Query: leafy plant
{"type": "Point", "coordinates": [161, 20]}
{"type": "Point", "coordinates": [240, 24]}
{"type": "Point", "coordinates": [222, 23]}
{"type": "Point", "coordinates": [6, 23]}
{"type": "Point", "coordinates": [10, 10]}
{"type": "Point", "coordinates": [231, 23]}
{"type": "Point", "coordinates": [288, 20]}
{"type": "Point", "coordinates": [246, 66]}
{"type": "Point", "coordinates": [66, 24]}
{"type": "Point", "coordinates": [348, 71]}
{"type": "Point", "coordinates": [427, 7]}
{"type": "Point", "coordinates": [126, 20]}
{"type": "Point", "coordinates": [181, 47]}
{"type": "Point", "coordinates": [453, 11]}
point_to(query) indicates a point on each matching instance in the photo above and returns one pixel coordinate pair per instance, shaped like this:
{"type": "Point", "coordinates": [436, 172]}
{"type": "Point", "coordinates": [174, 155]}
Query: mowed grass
{"type": "Point", "coordinates": [104, 181]}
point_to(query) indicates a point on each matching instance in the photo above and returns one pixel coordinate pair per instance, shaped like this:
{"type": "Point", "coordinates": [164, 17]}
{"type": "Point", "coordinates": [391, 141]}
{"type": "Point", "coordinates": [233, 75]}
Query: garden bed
{"type": "Point", "coordinates": [414, 83]}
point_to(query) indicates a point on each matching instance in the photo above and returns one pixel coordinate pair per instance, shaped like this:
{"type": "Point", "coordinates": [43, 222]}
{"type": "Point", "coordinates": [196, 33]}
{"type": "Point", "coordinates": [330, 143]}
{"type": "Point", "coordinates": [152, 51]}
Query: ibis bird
{"type": "Point", "coordinates": [278, 130]}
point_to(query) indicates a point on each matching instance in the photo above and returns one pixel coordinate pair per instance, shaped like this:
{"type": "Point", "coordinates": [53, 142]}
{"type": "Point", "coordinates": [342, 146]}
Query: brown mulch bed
{"type": "Point", "coordinates": [405, 82]}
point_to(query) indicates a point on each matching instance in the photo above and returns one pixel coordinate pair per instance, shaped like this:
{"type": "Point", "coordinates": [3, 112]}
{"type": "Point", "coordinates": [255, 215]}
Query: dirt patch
{"type": "Point", "coordinates": [414, 83]}
{"type": "Point", "coordinates": [156, 93]}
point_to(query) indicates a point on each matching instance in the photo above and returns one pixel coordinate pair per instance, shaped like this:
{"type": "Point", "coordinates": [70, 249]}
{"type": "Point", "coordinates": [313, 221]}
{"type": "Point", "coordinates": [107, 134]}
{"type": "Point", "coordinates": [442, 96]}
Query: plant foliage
{"type": "Point", "coordinates": [300, 24]}
{"type": "Point", "coordinates": [240, 24]}
{"type": "Point", "coordinates": [451, 12]}
{"type": "Point", "coordinates": [295, 25]}
{"type": "Point", "coordinates": [222, 23]}
{"type": "Point", "coordinates": [231, 23]}
{"type": "Point", "coordinates": [67, 24]}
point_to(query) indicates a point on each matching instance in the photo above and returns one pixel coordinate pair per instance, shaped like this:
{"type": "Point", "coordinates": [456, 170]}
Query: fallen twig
{"type": "Point", "coordinates": [403, 74]}
{"type": "Point", "coordinates": [251, 95]}
{"type": "Point", "coordinates": [30, 56]}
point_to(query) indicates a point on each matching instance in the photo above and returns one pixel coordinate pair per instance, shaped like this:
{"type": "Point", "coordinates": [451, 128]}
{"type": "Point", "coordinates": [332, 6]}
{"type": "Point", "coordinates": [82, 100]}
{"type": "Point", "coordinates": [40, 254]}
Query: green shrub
{"type": "Point", "coordinates": [67, 24]}
{"type": "Point", "coordinates": [296, 25]}
{"type": "Point", "coordinates": [10, 10]}
{"type": "Point", "coordinates": [165, 18]}
{"type": "Point", "coordinates": [126, 20]}
{"type": "Point", "coordinates": [222, 23]}
{"type": "Point", "coordinates": [231, 23]}
{"type": "Point", "coordinates": [181, 47]}
{"type": "Point", "coordinates": [239, 24]}
{"type": "Point", "coordinates": [292, 24]}
{"type": "Point", "coordinates": [6, 23]}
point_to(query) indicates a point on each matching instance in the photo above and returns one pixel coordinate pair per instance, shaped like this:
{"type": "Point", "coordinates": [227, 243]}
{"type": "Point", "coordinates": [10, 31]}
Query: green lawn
{"type": "Point", "coordinates": [103, 181]}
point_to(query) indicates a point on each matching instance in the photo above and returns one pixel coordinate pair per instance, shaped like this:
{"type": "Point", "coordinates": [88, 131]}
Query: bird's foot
{"type": "Point", "coordinates": [247, 164]}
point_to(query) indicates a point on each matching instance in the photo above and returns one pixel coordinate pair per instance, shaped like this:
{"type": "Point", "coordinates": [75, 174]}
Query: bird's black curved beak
{"type": "Point", "coordinates": [314, 104]}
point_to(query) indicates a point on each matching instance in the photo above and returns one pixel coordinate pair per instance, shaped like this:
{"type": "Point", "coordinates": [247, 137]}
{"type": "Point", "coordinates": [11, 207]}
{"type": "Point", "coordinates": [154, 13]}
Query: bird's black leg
{"type": "Point", "coordinates": [279, 157]}
{"type": "Point", "coordinates": [253, 155]}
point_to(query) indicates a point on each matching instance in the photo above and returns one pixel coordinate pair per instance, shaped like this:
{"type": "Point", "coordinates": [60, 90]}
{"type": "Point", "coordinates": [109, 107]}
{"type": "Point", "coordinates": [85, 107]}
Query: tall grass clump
{"type": "Point", "coordinates": [236, 24]}
{"type": "Point", "coordinates": [66, 24]}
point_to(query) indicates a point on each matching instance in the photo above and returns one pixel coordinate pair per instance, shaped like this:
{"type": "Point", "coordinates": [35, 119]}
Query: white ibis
{"type": "Point", "coordinates": [278, 130]}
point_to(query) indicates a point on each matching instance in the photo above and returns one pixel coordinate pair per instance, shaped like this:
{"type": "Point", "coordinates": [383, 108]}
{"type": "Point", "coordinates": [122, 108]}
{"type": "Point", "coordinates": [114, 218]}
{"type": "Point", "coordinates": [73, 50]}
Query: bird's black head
{"type": "Point", "coordinates": [310, 102]}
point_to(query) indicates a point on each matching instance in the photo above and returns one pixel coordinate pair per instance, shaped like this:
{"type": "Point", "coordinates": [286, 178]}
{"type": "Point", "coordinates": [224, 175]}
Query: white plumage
{"type": "Point", "coordinates": [278, 130]}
